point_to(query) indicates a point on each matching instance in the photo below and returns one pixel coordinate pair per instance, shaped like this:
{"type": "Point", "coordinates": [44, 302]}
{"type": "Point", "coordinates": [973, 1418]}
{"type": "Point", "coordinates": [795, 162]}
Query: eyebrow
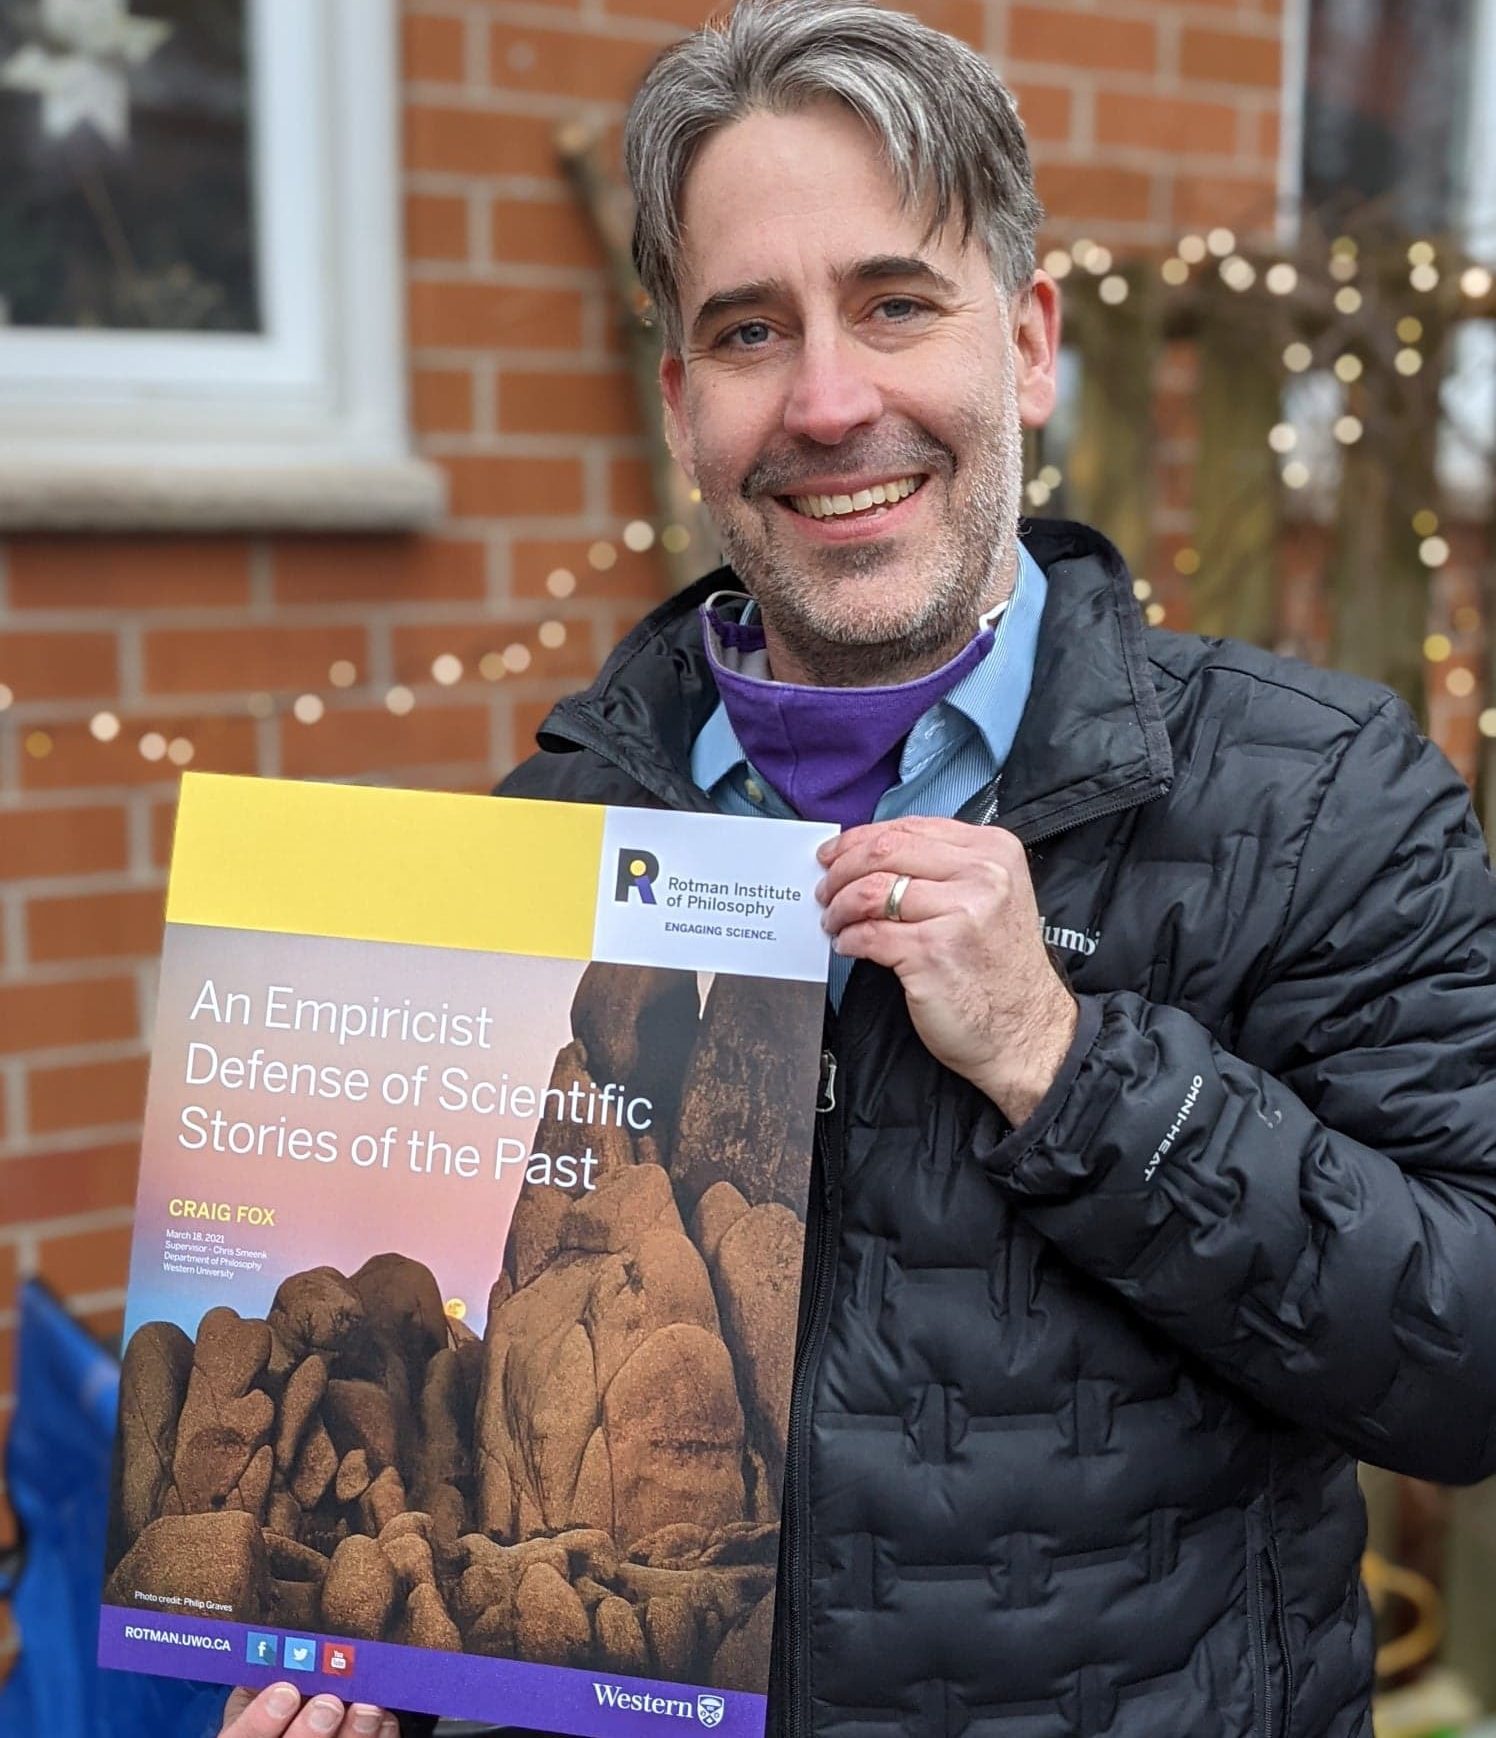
{"type": "Point", "coordinates": [879, 268]}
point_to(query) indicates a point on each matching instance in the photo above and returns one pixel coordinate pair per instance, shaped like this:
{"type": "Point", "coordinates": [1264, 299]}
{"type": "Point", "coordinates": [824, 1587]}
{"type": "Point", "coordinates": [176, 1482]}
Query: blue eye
{"type": "Point", "coordinates": [751, 335]}
{"type": "Point", "coordinates": [899, 307]}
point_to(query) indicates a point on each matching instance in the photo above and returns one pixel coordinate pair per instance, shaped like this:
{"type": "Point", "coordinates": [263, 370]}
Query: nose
{"type": "Point", "coordinates": [832, 391]}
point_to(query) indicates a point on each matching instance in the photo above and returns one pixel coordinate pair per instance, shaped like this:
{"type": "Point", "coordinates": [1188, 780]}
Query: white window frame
{"type": "Point", "coordinates": [303, 425]}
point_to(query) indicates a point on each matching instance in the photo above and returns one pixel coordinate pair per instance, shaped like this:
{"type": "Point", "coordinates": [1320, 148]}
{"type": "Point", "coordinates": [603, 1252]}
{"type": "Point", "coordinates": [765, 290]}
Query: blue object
{"type": "Point", "coordinates": [301, 1654]}
{"type": "Point", "coordinates": [57, 1469]}
{"type": "Point", "coordinates": [262, 1650]}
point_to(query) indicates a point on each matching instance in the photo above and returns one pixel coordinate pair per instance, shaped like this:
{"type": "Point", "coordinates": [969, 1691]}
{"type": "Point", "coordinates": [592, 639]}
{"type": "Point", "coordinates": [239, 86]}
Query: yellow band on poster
{"type": "Point", "coordinates": [426, 867]}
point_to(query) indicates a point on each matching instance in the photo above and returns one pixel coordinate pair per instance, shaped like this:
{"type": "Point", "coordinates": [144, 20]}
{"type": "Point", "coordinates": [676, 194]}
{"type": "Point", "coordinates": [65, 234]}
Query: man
{"type": "Point", "coordinates": [1156, 1173]}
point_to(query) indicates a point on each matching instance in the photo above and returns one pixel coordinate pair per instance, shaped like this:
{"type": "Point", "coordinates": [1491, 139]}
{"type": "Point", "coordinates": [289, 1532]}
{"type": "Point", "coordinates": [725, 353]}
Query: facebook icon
{"type": "Point", "coordinates": [261, 1650]}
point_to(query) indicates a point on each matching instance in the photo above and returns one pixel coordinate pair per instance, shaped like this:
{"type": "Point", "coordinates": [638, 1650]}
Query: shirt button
{"type": "Point", "coordinates": [754, 791]}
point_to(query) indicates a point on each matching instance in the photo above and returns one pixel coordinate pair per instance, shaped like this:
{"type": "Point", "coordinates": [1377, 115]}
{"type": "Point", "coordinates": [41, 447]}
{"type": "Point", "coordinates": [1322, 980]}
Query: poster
{"type": "Point", "coordinates": [464, 1283]}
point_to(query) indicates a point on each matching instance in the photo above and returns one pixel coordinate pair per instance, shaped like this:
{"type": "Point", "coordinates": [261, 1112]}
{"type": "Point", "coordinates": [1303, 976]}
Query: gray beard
{"type": "Point", "coordinates": [979, 574]}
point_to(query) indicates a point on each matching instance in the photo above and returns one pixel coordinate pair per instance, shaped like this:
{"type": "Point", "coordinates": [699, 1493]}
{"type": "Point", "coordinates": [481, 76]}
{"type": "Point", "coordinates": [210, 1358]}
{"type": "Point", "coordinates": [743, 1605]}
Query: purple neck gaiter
{"type": "Point", "coordinates": [831, 753]}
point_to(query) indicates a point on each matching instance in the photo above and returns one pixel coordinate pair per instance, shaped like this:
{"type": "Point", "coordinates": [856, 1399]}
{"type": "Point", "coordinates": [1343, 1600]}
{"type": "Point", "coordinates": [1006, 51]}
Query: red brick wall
{"type": "Point", "coordinates": [1147, 116]}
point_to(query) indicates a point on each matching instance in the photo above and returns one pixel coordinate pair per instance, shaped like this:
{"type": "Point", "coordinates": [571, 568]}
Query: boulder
{"type": "Point", "coordinates": [427, 1623]}
{"type": "Point", "coordinates": [621, 1646]}
{"type": "Point", "coordinates": [153, 1387]}
{"type": "Point", "coordinates": [216, 1559]}
{"type": "Point", "coordinates": [742, 1661]}
{"type": "Point", "coordinates": [637, 1026]}
{"type": "Point", "coordinates": [317, 1311]}
{"type": "Point", "coordinates": [747, 1112]}
{"type": "Point", "coordinates": [675, 1434]}
{"type": "Point", "coordinates": [756, 1276]}
{"type": "Point", "coordinates": [301, 1397]}
{"type": "Point", "coordinates": [550, 1621]}
{"type": "Point", "coordinates": [361, 1590]}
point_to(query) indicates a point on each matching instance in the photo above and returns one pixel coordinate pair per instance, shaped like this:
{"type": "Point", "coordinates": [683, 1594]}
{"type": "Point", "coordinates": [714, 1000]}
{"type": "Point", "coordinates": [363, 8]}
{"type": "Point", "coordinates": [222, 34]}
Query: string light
{"type": "Point", "coordinates": [1238, 273]}
{"type": "Point", "coordinates": [1080, 250]}
{"type": "Point", "coordinates": [1192, 249]}
{"type": "Point", "coordinates": [1113, 290]}
{"type": "Point", "coordinates": [1425, 521]}
{"type": "Point", "coordinates": [7, 697]}
{"type": "Point", "coordinates": [1038, 493]}
{"type": "Point", "coordinates": [1057, 262]}
{"type": "Point", "coordinates": [1467, 619]}
{"type": "Point", "coordinates": [551, 635]}
{"type": "Point", "coordinates": [638, 535]}
{"type": "Point", "coordinates": [308, 708]}
{"type": "Point", "coordinates": [1343, 266]}
{"type": "Point", "coordinates": [1282, 437]}
{"type": "Point", "coordinates": [400, 700]}
{"type": "Point", "coordinates": [39, 745]}
{"type": "Point", "coordinates": [179, 751]}
{"type": "Point", "coordinates": [1174, 271]}
{"type": "Point", "coordinates": [1433, 552]}
{"type": "Point", "coordinates": [561, 582]}
{"type": "Point", "coordinates": [447, 669]}
{"type": "Point", "coordinates": [103, 727]}
{"type": "Point", "coordinates": [1295, 474]}
{"type": "Point", "coordinates": [602, 555]}
{"type": "Point", "coordinates": [1348, 300]}
{"type": "Point", "coordinates": [342, 673]}
{"type": "Point", "coordinates": [1410, 329]}
{"type": "Point", "coordinates": [1437, 647]}
{"type": "Point", "coordinates": [1050, 476]}
{"type": "Point", "coordinates": [1141, 590]}
{"type": "Point", "coordinates": [1187, 560]}
{"type": "Point", "coordinates": [516, 658]}
{"type": "Point", "coordinates": [1221, 242]}
{"type": "Point", "coordinates": [1099, 261]}
{"type": "Point", "coordinates": [675, 538]}
{"type": "Point", "coordinates": [153, 746]}
{"type": "Point", "coordinates": [1486, 723]}
{"type": "Point", "coordinates": [1460, 683]}
{"type": "Point", "coordinates": [1424, 278]}
{"type": "Point", "coordinates": [1156, 613]}
{"type": "Point", "coordinates": [1282, 279]}
{"type": "Point", "coordinates": [491, 667]}
{"type": "Point", "coordinates": [1348, 430]}
{"type": "Point", "coordinates": [1476, 282]}
{"type": "Point", "coordinates": [1349, 367]}
{"type": "Point", "coordinates": [1421, 253]}
{"type": "Point", "coordinates": [1297, 357]}
{"type": "Point", "coordinates": [1408, 362]}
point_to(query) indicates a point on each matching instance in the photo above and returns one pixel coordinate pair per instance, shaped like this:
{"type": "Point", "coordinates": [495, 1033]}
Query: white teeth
{"type": "Point", "coordinates": [835, 506]}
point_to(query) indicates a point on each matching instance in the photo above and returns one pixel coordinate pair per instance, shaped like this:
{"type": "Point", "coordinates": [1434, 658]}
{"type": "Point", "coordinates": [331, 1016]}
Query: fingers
{"type": "Point", "coordinates": [277, 1712]}
{"type": "Point", "coordinates": [916, 848]}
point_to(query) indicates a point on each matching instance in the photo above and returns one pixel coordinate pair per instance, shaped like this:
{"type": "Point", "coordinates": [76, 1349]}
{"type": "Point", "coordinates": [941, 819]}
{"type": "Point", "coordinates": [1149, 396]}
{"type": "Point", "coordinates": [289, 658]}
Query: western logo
{"type": "Point", "coordinates": [710, 1709]}
{"type": "Point", "coordinates": [637, 873]}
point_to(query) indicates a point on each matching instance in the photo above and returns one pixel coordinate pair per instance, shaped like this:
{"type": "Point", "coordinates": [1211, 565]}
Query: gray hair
{"type": "Point", "coordinates": [947, 124]}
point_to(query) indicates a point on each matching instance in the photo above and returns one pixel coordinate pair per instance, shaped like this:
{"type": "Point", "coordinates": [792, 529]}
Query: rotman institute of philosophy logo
{"type": "Point", "coordinates": [637, 874]}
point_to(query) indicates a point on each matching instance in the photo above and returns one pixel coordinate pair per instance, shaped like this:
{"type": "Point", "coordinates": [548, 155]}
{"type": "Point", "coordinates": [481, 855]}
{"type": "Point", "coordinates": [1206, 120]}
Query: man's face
{"type": "Point", "coordinates": [833, 354]}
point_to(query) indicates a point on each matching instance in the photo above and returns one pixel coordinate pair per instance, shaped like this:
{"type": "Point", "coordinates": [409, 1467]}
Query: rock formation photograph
{"type": "Point", "coordinates": [595, 1480]}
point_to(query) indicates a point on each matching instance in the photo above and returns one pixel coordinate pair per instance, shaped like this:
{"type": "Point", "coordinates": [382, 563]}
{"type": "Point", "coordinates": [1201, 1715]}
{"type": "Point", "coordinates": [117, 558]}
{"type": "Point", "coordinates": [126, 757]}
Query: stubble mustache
{"type": "Point", "coordinates": [784, 472]}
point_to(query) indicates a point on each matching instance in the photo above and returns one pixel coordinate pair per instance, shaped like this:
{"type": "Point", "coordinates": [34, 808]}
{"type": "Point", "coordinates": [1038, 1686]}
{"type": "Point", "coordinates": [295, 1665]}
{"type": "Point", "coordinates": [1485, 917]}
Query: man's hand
{"type": "Point", "coordinates": [273, 1713]}
{"type": "Point", "coordinates": [967, 946]}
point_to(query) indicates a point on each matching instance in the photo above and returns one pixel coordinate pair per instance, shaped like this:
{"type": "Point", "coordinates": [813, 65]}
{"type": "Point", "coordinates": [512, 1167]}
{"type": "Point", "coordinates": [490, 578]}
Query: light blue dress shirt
{"type": "Point", "coordinates": [955, 749]}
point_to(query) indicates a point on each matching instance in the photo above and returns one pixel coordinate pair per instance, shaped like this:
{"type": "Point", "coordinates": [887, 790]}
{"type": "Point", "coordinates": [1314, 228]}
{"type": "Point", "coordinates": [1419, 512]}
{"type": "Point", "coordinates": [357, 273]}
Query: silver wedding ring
{"type": "Point", "coordinates": [896, 898]}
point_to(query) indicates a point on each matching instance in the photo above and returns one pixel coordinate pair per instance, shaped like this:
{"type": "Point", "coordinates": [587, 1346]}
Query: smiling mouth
{"type": "Point", "coordinates": [868, 500]}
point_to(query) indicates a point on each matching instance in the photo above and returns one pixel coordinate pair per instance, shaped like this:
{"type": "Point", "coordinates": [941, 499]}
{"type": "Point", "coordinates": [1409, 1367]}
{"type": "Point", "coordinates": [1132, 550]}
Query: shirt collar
{"type": "Point", "coordinates": [976, 697]}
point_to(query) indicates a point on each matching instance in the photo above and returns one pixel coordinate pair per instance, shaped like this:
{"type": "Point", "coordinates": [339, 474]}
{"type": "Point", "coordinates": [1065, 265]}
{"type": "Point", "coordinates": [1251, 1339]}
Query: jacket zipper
{"type": "Point", "coordinates": [795, 1681]}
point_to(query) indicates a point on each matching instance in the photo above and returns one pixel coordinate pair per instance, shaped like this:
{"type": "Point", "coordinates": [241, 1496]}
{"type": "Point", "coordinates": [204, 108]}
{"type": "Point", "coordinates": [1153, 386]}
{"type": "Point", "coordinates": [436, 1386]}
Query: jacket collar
{"type": "Point", "coordinates": [1092, 736]}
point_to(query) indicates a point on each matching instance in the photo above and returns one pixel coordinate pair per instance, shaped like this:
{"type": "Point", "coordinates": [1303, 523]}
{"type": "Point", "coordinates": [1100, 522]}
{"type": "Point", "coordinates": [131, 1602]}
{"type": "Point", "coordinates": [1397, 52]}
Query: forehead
{"type": "Point", "coordinates": [799, 194]}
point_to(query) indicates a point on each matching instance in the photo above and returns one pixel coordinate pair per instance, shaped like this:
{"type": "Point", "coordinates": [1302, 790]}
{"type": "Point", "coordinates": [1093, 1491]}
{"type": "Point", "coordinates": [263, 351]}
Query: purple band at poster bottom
{"type": "Point", "coordinates": [461, 1686]}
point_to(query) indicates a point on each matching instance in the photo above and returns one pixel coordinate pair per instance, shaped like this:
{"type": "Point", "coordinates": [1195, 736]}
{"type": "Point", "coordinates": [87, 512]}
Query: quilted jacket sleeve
{"type": "Point", "coordinates": [1313, 1215]}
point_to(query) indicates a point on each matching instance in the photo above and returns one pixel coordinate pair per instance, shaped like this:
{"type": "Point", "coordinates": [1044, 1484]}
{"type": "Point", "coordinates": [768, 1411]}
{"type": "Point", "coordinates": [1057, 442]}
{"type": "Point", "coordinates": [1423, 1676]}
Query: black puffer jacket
{"type": "Point", "coordinates": [1076, 1406]}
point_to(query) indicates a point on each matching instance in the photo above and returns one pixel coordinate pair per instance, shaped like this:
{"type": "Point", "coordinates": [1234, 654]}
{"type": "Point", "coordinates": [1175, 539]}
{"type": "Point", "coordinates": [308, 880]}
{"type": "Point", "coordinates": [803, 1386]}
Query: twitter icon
{"type": "Point", "coordinates": [300, 1654]}
{"type": "Point", "coordinates": [261, 1650]}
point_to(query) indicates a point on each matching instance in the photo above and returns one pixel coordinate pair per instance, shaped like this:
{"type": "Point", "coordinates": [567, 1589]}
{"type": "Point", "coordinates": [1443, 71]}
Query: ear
{"type": "Point", "coordinates": [1036, 348]}
{"type": "Point", "coordinates": [677, 419]}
